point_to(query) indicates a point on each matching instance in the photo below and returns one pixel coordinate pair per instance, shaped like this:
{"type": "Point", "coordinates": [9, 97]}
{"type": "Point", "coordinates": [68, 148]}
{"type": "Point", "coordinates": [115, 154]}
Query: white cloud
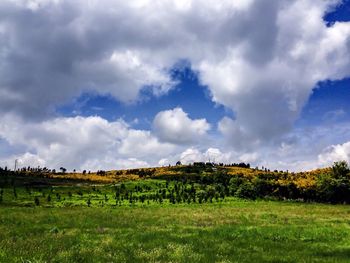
{"type": "Point", "coordinates": [176, 127]}
{"type": "Point", "coordinates": [140, 143]}
{"type": "Point", "coordinates": [191, 155]}
{"type": "Point", "coordinates": [240, 137]}
{"type": "Point", "coordinates": [267, 79]}
{"type": "Point", "coordinates": [164, 162]}
{"type": "Point", "coordinates": [334, 153]}
{"type": "Point", "coordinates": [261, 59]}
{"type": "Point", "coordinates": [81, 143]}
{"type": "Point", "coordinates": [94, 143]}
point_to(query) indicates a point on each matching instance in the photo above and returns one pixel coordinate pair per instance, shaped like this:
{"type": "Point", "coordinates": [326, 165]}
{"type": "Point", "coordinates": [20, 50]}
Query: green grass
{"type": "Point", "coordinates": [228, 231]}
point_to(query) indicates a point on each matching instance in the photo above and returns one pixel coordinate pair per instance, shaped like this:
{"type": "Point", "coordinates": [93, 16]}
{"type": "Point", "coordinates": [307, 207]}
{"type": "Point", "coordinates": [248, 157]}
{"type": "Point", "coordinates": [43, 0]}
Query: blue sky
{"type": "Point", "coordinates": [328, 102]}
{"type": "Point", "coordinates": [189, 94]}
{"type": "Point", "coordinates": [129, 84]}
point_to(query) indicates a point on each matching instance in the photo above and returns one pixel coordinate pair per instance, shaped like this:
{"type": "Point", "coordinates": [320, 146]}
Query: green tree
{"type": "Point", "coordinates": [340, 169]}
{"type": "Point", "coordinates": [246, 190]}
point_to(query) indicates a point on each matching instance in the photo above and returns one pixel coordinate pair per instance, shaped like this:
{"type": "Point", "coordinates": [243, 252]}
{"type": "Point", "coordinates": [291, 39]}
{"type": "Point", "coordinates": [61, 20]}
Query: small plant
{"type": "Point", "coordinates": [36, 201]}
{"type": "Point", "coordinates": [54, 230]}
{"type": "Point", "coordinates": [15, 193]}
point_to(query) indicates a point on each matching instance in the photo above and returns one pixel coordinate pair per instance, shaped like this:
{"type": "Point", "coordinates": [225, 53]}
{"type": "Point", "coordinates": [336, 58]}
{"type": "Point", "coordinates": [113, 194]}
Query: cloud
{"type": "Point", "coordinates": [176, 127]}
{"type": "Point", "coordinates": [339, 152]}
{"type": "Point", "coordinates": [240, 137]}
{"type": "Point", "coordinates": [80, 143]}
{"type": "Point", "coordinates": [260, 59]}
{"type": "Point", "coordinates": [94, 143]}
{"type": "Point", "coordinates": [192, 154]}
{"type": "Point", "coordinates": [52, 51]}
{"type": "Point", "coordinates": [249, 53]}
{"type": "Point", "coordinates": [305, 148]}
{"type": "Point", "coordinates": [141, 143]}
{"type": "Point", "coordinates": [333, 115]}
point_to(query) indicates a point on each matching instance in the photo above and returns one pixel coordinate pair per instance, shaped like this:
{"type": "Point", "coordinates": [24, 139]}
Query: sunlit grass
{"type": "Point", "coordinates": [231, 231]}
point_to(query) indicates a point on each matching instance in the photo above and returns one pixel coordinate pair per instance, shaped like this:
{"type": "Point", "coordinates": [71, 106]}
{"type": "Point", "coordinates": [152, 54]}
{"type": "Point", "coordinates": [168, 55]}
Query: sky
{"type": "Point", "coordinates": [113, 84]}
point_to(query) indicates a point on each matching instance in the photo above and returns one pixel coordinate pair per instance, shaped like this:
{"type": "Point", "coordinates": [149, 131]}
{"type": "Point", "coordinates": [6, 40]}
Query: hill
{"type": "Point", "coordinates": [206, 181]}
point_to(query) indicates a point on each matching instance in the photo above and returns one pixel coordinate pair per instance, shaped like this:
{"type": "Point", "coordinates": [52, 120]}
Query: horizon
{"type": "Point", "coordinates": [118, 85]}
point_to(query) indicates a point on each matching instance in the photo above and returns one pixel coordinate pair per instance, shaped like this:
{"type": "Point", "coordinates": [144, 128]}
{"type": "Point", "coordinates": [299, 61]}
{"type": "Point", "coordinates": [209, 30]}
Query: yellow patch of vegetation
{"type": "Point", "coordinates": [248, 172]}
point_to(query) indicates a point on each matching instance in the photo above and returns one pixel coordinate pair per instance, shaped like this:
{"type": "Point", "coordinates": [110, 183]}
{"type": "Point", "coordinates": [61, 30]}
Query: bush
{"type": "Point", "coordinates": [246, 190]}
{"type": "Point", "coordinates": [331, 188]}
{"type": "Point", "coordinates": [235, 182]}
{"type": "Point", "coordinates": [263, 187]}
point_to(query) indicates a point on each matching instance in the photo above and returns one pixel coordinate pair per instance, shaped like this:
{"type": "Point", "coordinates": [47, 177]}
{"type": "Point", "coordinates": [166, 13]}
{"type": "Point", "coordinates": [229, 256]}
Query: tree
{"type": "Point", "coordinates": [340, 169]}
{"type": "Point", "coordinates": [246, 190]}
{"type": "Point", "coordinates": [235, 183]}
{"type": "Point", "coordinates": [63, 169]}
{"type": "Point", "coordinates": [333, 189]}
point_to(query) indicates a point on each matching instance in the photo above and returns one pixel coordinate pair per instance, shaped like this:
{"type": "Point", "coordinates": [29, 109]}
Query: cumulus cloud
{"type": "Point", "coordinates": [339, 152]}
{"type": "Point", "coordinates": [240, 137]}
{"type": "Point", "coordinates": [261, 59]}
{"type": "Point", "coordinates": [176, 127]}
{"type": "Point", "coordinates": [267, 93]}
{"type": "Point", "coordinates": [94, 143]}
{"type": "Point", "coordinates": [51, 51]}
{"type": "Point", "coordinates": [141, 143]}
{"type": "Point", "coordinates": [80, 143]}
{"type": "Point", "coordinates": [192, 154]}
{"type": "Point", "coordinates": [249, 53]}
{"type": "Point", "coordinates": [305, 148]}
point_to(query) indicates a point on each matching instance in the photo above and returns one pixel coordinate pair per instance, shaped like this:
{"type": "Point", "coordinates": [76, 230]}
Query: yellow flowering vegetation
{"type": "Point", "coordinates": [301, 180]}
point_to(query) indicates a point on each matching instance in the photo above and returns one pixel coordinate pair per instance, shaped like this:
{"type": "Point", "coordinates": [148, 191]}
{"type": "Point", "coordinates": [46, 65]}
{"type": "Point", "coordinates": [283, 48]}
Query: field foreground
{"type": "Point", "coordinates": [231, 231]}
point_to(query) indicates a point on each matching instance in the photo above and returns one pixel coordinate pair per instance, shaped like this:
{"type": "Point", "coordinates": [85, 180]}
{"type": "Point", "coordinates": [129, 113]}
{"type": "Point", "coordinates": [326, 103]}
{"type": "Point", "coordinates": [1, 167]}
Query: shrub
{"type": "Point", "coordinates": [331, 188]}
{"type": "Point", "coordinates": [235, 182]}
{"type": "Point", "coordinates": [246, 190]}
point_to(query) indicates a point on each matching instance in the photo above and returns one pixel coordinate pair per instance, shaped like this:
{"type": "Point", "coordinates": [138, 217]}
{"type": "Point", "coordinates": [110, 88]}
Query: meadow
{"type": "Point", "coordinates": [228, 231]}
{"type": "Point", "coordinates": [194, 213]}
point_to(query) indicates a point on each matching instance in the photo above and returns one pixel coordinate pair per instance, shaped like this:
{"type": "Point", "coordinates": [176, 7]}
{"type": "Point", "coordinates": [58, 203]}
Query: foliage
{"type": "Point", "coordinates": [200, 182]}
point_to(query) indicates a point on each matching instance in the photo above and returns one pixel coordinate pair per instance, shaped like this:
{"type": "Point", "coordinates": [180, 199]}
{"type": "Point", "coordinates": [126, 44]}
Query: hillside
{"type": "Point", "coordinates": [198, 182]}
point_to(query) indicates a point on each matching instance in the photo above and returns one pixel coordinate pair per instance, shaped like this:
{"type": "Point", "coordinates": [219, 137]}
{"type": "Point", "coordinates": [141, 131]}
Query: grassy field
{"type": "Point", "coordinates": [175, 214]}
{"type": "Point", "coordinates": [227, 231]}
